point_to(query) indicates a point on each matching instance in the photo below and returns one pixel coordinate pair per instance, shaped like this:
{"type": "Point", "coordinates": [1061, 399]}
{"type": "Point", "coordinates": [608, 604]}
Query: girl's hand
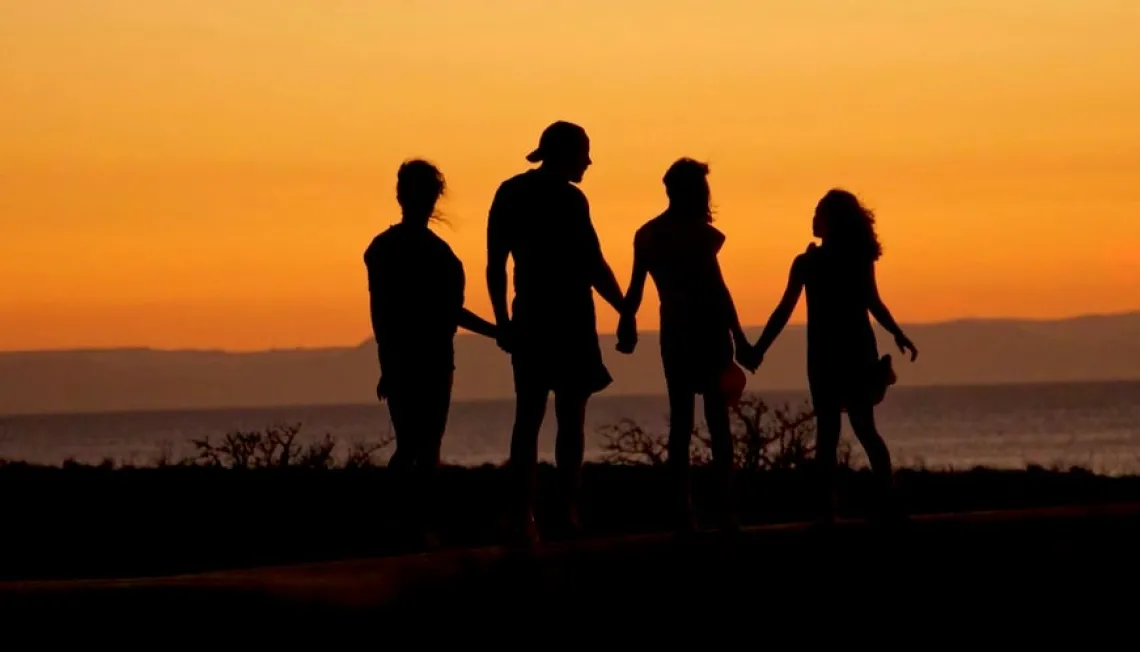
{"type": "Point", "coordinates": [904, 344]}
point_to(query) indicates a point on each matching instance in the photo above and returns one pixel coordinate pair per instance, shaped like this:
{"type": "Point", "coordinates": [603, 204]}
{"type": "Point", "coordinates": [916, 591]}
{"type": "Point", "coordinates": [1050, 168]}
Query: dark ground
{"type": "Point", "coordinates": [295, 525]}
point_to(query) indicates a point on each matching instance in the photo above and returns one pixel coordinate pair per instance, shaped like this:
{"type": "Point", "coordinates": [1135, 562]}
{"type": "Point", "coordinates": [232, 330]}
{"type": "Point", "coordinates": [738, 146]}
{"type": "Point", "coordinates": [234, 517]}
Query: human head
{"type": "Point", "coordinates": [842, 220]}
{"type": "Point", "coordinates": [419, 185]}
{"type": "Point", "coordinates": [563, 148]}
{"type": "Point", "coordinates": [687, 186]}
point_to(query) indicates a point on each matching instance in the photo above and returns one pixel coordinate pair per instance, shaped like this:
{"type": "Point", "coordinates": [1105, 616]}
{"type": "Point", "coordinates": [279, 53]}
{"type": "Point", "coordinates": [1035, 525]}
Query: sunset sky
{"type": "Point", "coordinates": [207, 173]}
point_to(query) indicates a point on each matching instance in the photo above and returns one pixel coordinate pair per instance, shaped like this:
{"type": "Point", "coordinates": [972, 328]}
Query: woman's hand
{"type": "Point", "coordinates": [904, 344]}
{"type": "Point", "coordinates": [627, 334]}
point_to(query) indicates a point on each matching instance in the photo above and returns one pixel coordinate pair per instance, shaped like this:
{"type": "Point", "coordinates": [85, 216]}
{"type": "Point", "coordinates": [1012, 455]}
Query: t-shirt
{"type": "Point", "coordinates": [680, 255]}
{"type": "Point", "coordinates": [416, 285]}
{"type": "Point", "coordinates": [544, 224]}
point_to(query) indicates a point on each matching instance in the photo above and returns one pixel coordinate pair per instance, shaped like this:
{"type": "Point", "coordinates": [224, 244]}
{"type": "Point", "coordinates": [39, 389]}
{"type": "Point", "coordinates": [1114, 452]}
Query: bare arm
{"type": "Point", "coordinates": [476, 324]}
{"type": "Point", "coordinates": [601, 274]}
{"type": "Point", "coordinates": [498, 249]}
{"type": "Point", "coordinates": [636, 291]}
{"type": "Point", "coordinates": [883, 315]}
{"type": "Point", "coordinates": [783, 311]}
{"type": "Point", "coordinates": [738, 334]}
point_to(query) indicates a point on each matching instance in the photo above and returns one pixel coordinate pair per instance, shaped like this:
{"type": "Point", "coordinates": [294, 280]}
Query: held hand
{"type": "Point", "coordinates": [749, 357]}
{"type": "Point", "coordinates": [381, 391]}
{"type": "Point", "coordinates": [503, 337]}
{"type": "Point", "coordinates": [627, 335]}
{"type": "Point", "coordinates": [904, 344]}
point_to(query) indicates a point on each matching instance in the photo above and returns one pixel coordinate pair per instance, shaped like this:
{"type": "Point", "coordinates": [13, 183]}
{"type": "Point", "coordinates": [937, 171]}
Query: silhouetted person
{"type": "Point", "coordinates": [416, 286]}
{"type": "Point", "coordinates": [700, 330]}
{"type": "Point", "coordinates": [845, 372]}
{"type": "Point", "coordinates": [542, 220]}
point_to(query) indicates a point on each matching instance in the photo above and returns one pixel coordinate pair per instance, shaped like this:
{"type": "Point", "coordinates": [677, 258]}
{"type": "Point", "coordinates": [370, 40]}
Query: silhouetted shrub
{"type": "Point", "coordinates": [277, 447]}
{"type": "Point", "coordinates": [764, 439]}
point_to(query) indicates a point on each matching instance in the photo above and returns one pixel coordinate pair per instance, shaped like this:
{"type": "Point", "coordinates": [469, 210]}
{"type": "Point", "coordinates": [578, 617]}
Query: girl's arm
{"type": "Point", "coordinates": [783, 311]}
{"type": "Point", "coordinates": [627, 326]}
{"type": "Point", "coordinates": [477, 324]}
{"type": "Point", "coordinates": [738, 335]}
{"type": "Point", "coordinates": [883, 315]}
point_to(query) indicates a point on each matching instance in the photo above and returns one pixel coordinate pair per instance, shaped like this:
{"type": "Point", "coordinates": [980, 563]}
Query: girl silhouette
{"type": "Point", "coordinates": [416, 287]}
{"type": "Point", "coordinates": [699, 325]}
{"type": "Point", "coordinates": [845, 372]}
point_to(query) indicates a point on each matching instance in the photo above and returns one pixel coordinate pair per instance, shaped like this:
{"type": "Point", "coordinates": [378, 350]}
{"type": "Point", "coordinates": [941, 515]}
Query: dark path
{"type": "Point", "coordinates": [939, 562]}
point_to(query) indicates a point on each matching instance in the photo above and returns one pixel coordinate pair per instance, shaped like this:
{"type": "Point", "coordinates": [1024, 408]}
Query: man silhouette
{"type": "Point", "coordinates": [542, 220]}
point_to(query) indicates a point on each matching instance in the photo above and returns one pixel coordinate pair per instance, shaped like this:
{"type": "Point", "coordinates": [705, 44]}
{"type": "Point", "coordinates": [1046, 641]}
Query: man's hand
{"type": "Point", "coordinates": [627, 334]}
{"type": "Point", "coordinates": [381, 391]}
{"type": "Point", "coordinates": [504, 337]}
{"type": "Point", "coordinates": [749, 357]}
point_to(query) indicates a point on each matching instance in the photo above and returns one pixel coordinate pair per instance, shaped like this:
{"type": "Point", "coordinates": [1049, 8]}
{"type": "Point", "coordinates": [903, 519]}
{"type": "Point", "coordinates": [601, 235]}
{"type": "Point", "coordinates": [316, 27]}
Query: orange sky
{"type": "Point", "coordinates": [207, 173]}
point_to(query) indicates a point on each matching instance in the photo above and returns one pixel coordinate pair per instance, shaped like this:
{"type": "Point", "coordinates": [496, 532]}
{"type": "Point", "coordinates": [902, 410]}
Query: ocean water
{"type": "Point", "coordinates": [1093, 425]}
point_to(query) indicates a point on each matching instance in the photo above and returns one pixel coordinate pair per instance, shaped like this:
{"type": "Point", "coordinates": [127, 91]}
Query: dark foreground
{"type": "Point", "coordinates": [943, 567]}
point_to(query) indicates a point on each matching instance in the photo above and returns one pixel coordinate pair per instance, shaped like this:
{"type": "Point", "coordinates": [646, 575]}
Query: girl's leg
{"type": "Point", "coordinates": [828, 429]}
{"type": "Point", "coordinates": [403, 465]}
{"type": "Point", "coordinates": [436, 406]}
{"type": "Point", "coordinates": [681, 419]}
{"type": "Point", "coordinates": [720, 432]}
{"type": "Point", "coordinates": [863, 423]}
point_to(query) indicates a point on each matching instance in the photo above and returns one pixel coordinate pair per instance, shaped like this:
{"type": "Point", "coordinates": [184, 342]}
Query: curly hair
{"type": "Point", "coordinates": [850, 224]}
{"type": "Point", "coordinates": [419, 185]}
{"type": "Point", "coordinates": [686, 184]}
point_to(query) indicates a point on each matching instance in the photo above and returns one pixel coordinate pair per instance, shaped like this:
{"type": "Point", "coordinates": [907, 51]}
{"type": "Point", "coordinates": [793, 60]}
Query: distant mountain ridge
{"type": "Point", "coordinates": [960, 352]}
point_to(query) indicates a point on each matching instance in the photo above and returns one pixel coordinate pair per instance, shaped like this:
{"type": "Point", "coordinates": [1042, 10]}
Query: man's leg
{"type": "Point", "coordinates": [530, 410]}
{"type": "Point", "coordinates": [570, 449]}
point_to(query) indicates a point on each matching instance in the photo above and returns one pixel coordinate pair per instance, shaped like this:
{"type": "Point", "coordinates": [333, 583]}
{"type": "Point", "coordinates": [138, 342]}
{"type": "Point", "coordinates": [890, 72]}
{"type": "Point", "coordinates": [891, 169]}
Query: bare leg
{"type": "Point", "coordinates": [863, 423]}
{"type": "Point", "coordinates": [720, 432]}
{"type": "Point", "coordinates": [569, 450]}
{"type": "Point", "coordinates": [681, 420]}
{"type": "Point", "coordinates": [828, 429]}
{"type": "Point", "coordinates": [530, 410]}
{"type": "Point", "coordinates": [436, 408]}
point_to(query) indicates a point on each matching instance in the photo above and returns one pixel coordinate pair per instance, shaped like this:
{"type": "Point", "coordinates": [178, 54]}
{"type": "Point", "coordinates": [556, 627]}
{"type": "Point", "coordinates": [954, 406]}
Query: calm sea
{"type": "Point", "coordinates": [1094, 425]}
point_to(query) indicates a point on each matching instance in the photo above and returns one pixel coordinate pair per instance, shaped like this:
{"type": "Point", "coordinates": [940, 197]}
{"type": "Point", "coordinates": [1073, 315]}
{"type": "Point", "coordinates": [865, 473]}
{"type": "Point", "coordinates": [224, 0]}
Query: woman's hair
{"type": "Point", "coordinates": [850, 225]}
{"type": "Point", "coordinates": [419, 185]}
{"type": "Point", "coordinates": [687, 186]}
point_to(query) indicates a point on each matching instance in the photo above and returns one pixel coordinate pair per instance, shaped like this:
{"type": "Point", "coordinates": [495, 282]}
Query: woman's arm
{"type": "Point", "coordinates": [729, 307]}
{"type": "Point", "coordinates": [627, 326]}
{"type": "Point", "coordinates": [883, 315]}
{"type": "Point", "coordinates": [783, 311]}
{"type": "Point", "coordinates": [476, 324]}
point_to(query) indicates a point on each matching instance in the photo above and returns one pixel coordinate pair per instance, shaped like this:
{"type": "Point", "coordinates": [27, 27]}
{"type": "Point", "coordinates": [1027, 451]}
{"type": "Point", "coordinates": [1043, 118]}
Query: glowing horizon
{"type": "Point", "coordinates": [207, 174]}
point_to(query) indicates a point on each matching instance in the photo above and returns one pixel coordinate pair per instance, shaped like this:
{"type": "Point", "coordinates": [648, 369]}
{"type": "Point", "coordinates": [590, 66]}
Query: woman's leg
{"type": "Point", "coordinates": [720, 432]}
{"type": "Point", "coordinates": [436, 405]}
{"type": "Point", "coordinates": [828, 430]}
{"type": "Point", "coordinates": [862, 419]}
{"type": "Point", "coordinates": [681, 420]}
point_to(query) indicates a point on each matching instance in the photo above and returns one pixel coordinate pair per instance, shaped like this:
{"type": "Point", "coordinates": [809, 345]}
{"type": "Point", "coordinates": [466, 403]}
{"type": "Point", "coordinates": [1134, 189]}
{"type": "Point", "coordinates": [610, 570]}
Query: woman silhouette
{"type": "Point", "coordinates": [845, 372]}
{"type": "Point", "coordinates": [699, 325]}
{"type": "Point", "coordinates": [416, 287]}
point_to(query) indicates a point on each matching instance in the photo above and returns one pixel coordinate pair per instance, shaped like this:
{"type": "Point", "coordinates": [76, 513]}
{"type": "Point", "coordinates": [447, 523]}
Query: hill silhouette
{"type": "Point", "coordinates": [963, 352]}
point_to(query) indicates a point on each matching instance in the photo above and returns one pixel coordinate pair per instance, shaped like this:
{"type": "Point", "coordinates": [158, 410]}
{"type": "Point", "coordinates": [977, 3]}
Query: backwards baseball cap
{"type": "Point", "coordinates": [560, 136]}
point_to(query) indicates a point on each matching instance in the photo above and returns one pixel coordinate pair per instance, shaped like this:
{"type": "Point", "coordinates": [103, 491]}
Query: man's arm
{"type": "Point", "coordinates": [602, 275]}
{"type": "Point", "coordinates": [498, 249]}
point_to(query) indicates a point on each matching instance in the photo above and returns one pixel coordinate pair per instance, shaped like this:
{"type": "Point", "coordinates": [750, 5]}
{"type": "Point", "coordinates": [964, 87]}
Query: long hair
{"type": "Point", "coordinates": [419, 185]}
{"type": "Point", "coordinates": [850, 225]}
{"type": "Point", "coordinates": [687, 186]}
